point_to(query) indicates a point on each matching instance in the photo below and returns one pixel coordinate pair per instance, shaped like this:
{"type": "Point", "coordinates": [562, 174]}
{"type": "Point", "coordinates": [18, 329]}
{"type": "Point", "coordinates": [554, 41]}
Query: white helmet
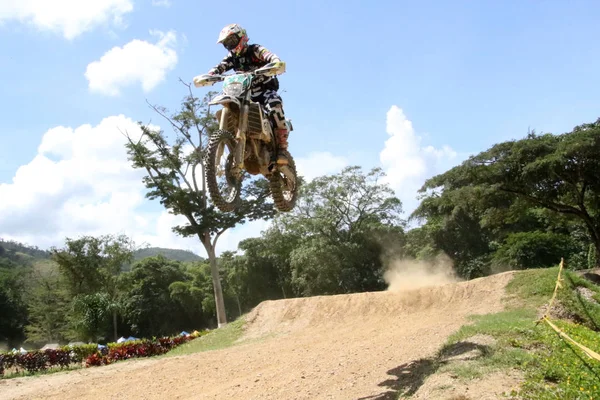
{"type": "Point", "coordinates": [234, 38]}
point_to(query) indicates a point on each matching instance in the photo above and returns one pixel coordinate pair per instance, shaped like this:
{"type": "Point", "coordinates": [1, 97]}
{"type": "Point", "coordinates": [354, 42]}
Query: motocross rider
{"type": "Point", "coordinates": [244, 57]}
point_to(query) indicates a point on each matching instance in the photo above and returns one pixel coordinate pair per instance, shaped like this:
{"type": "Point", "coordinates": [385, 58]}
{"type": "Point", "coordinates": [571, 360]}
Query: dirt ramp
{"type": "Point", "coordinates": [290, 315]}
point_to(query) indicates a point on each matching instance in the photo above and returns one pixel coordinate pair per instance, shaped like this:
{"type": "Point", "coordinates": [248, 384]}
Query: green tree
{"type": "Point", "coordinates": [255, 275]}
{"type": "Point", "coordinates": [341, 205]}
{"type": "Point", "coordinates": [13, 310]}
{"type": "Point", "coordinates": [420, 244]}
{"type": "Point", "coordinates": [202, 282]}
{"type": "Point", "coordinates": [454, 226]}
{"type": "Point", "coordinates": [156, 302]}
{"type": "Point", "coordinates": [48, 303]}
{"type": "Point", "coordinates": [345, 224]}
{"type": "Point", "coordinates": [552, 172]}
{"type": "Point", "coordinates": [174, 176]}
{"type": "Point", "coordinates": [236, 278]}
{"type": "Point", "coordinates": [190, 300]}
{"type": "Point", "coordinates": [91, 267]}
{"type": "Point", "coordinates": [268, 264]}
{"type": "Point", "coordinates": [524, 250]}
{"type": "Point", "coordinates": [91, 316]}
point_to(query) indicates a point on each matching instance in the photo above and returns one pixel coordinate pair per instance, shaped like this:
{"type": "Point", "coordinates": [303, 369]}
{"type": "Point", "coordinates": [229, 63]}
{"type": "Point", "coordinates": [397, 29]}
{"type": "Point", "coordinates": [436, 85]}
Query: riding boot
{"type": "Point", "coordinates": [282, 145]}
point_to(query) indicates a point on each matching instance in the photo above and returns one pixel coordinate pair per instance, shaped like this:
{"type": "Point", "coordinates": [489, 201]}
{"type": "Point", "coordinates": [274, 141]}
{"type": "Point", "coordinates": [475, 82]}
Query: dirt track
{"type": "Point", "coordinates": [336, 347]}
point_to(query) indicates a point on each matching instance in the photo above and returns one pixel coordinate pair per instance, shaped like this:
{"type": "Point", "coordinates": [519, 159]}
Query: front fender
{"type": "Point", "coordinates": [225, 99]}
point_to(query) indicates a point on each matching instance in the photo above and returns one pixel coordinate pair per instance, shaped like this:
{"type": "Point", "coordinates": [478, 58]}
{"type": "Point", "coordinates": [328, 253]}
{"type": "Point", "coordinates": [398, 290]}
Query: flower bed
{"type": "Point", "coordinates": [89, 354]}
{"type": "Point", "coordinates": [136, 349]}
{"type": "Point", "coordinates": [37, 361]}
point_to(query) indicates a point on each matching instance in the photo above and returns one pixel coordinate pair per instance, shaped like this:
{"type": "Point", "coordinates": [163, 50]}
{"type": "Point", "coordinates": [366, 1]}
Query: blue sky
{"type": "Point", "coordinates": [460, 74]}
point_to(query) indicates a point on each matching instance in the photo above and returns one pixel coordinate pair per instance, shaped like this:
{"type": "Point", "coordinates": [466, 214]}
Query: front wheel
{"type": "Point", "coordinates": [284, 185]}
{"type": "Point", "coordinates": [224, 186]}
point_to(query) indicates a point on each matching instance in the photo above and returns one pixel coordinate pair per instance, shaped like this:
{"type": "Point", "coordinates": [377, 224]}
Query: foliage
{"type": "Point", "coordinates": [13, 310]}
{"type": "Point", "coordinates": [36, 361]}
{"type": "Point", "coordinates": [138, 349]}
{"type": "Point", "coordinates": [263, 271]}
{"type": "Point", "coordinates": [524, 250]}
{"type": "Point", "coordinates": [342, 205]}
{"type": "Point", "coordinates": [268, 262]}
{"type": "Point", "coordinates": [156, 300]}
{"type": "Point", "coordinates": [91, 264]}
{"type": "Point", "coordinates": [48, 304]}
{"type": "Point", "coordinates": [420, 243]}
{"type": "Point", "coordinates": [69, 356]}
{"type": "Point", "coordinates": [343, 227]}
{"type": "Point", "coordinates": [512, 184]}
{"type": "Point", "coordinates": [562, 370]}
{"type": "Point", "coordinates": [91, 315]}
{"type": "Point", "coordinates": [80, 352]}
{"type": "Point", "coordinates": [91, 268]}
{"type": "Point", "coordinates": [50, 310]}
{"type": "Point", "coordinates": [582, 299]}
{"type": "Point", "coordinates": [338, 239]}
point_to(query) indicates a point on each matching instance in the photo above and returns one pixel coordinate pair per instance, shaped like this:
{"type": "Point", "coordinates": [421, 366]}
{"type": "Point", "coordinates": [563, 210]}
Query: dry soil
{"type": "Point", "coordinates": [359, 346]}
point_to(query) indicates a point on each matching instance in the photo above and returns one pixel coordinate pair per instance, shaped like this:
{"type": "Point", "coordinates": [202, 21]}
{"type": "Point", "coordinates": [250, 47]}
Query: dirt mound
{"type": "Point", "coordinates": [330, 347]}
{"type": "Point", "coordinates": [286, 316]}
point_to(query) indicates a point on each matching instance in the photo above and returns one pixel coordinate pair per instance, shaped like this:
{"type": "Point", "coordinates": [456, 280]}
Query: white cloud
{"type": "Point", "coordinates": [77, 176]}
{"type": "Point", "coordinates": [319, 163]}
{"type": "Point", "coordinates": [161, 3]}
{"type": "Point", "coordinates": [406, 162]}
{"type": "Point", "coordinates": [81, 182]}
{"type": "Point", "coordinates": [136, 62]}
{"type": "Point", "coordinates": [70, 18]}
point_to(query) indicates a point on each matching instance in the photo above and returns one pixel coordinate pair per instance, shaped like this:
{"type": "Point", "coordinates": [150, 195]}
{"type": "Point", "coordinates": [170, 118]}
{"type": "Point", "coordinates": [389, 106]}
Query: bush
{"type": "Point", "coordinates": [81, 352]}
{"type": "Point", "coordinates": [526, 250]}
{"type": "Point", "coordinates": [36, 361]}
{"type": "Point", "coordinates": [138, 348]}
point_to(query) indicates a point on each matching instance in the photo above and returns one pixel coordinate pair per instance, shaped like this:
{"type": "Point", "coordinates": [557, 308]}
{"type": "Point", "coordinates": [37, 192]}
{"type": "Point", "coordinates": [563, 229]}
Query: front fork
{"type": "Point", "coordinates": [240, 138]}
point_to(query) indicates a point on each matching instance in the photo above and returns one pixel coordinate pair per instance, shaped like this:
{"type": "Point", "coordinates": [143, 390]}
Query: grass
{"type": "Point", "coordinates": [514, 334]}
{"type": "Point", "coordinates": [215, 340]}
{"type": "Point", "coordinates": [553, 368]}
{"type": "Point", "coordinates": [52, 370]}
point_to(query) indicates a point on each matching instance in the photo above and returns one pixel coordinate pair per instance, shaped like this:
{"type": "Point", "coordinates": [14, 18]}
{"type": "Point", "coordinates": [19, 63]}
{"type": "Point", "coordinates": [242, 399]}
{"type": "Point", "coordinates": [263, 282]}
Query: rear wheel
{"type": "Point", "coordinates": [284, 185]}
{"type": "Point", "coordinates": [224, 187]}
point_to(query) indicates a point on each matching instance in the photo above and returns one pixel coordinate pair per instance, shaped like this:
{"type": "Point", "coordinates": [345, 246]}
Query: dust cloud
{"type": "Point", "coordinates": [409, 274]}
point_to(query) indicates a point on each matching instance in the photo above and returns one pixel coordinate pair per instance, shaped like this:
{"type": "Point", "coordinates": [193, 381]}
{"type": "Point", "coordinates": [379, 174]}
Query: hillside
{"type": "Point", "coordinates": [20, 252]}
{"type": "Point", "coordinates": [172, 254]}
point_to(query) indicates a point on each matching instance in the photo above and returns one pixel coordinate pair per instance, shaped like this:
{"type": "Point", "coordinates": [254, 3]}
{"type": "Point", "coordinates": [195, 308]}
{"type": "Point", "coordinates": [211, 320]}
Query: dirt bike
{"type": "Point", "coordinates": [246, 131]}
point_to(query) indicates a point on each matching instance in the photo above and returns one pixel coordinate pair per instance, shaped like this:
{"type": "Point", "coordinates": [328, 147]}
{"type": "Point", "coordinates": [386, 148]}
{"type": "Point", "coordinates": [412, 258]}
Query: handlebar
{"type": "Point", "coordinates": [208, 79]}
